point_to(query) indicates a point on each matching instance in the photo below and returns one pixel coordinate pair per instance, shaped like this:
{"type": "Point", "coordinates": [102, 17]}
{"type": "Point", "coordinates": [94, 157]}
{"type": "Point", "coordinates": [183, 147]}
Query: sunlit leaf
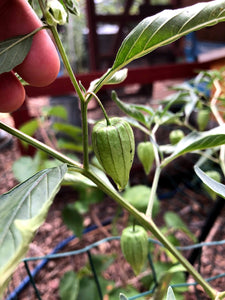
{"type": "Point", "coordinates": [170, 294]}
{"type": "Point", "coordinates": [166, 27]}
{"type": "Point", "coordinates": [72, 6]}
{"type": "Point", "coordinates": [22, 211]}
{"type": "Point", "coordinates": [123, 297]}
{"type": "Point", "coordinates": [13, 52]}
{"type": "Point", "coordinates": [115, 78]}
{"type": "Point", "coordinates": [214, 185]}
{"type": "Point", "coordinates": [162, 29]}
{"type": "Point", "coordinates": [198, 141]}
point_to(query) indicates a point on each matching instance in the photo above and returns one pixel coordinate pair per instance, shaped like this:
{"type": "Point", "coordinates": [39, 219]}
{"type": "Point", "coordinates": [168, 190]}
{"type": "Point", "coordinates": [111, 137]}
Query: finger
{"type": "Point", "coordinates": [12, 93]}
{"type": "Point", "coordinates": [41, 65]}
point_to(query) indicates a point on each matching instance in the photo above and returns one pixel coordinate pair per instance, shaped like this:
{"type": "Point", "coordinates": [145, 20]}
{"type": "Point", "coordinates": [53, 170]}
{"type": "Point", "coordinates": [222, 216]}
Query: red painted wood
{"type": "Point", "coordinates": [141, 75]}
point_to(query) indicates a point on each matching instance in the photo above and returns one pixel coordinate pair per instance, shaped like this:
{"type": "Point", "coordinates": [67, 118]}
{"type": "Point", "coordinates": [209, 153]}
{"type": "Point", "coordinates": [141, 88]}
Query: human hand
{"type": "Point", "coordinates": [40, 66]}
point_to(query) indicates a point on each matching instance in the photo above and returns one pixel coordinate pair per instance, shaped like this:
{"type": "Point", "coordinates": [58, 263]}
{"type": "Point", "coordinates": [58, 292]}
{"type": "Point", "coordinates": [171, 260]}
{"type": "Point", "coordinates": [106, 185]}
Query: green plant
{"type": "Point", "coordinates": [148, 35]}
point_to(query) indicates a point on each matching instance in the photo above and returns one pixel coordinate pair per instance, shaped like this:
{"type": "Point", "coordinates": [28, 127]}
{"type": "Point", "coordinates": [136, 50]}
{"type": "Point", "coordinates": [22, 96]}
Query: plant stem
{"type": "Point", "coordinates": [67, 63]}
{"type": "Point", "coordinates": [39, 145]}
{"type": "Point", "coordinates": [80, 95]}
{"type": "Point", "coordinates": [83, 107]}
{"type": "Point", "coordinates": [149, 224]}
{"type": "Point", "coordinates": [153, 192]}
{"type": "Point", "coordinates": [101, 106]}
{"type": "Point", "coordinates": [156, 177]}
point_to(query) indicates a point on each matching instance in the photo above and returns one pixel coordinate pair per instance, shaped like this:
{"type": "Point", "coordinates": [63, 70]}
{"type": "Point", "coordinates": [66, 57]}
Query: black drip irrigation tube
{"type": "Point", "coordinates": [61, 245]}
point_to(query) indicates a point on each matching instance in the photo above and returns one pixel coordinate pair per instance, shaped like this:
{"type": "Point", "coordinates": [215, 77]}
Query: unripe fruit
{"type": "Point", "coordinates": [217, 177]}
{"type": "Point", "coordinates": [176, 136]}
{"type": "Point", "coordinates": [114, 148]}
{"type": "Point", "coordinates": [134, 245]}
{"type": "Point", "coordinates": [145, 153]}
{"type": "Point", "coordinates": [203, 118]}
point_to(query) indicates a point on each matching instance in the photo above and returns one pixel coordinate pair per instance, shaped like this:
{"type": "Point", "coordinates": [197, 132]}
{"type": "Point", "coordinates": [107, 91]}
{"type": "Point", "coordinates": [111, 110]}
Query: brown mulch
{"type": "Point", "coordinates": [176, 194]}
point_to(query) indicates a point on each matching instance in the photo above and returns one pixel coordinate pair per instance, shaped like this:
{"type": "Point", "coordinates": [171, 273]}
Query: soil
{"type": "Point", "coordinates": [181, 194]}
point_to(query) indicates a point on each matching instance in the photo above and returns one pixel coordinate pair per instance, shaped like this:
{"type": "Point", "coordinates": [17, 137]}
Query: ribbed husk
{"type": "Point", "coordinates": [114, 148]}
{"type": "Point", "coordinates": [134, 245]}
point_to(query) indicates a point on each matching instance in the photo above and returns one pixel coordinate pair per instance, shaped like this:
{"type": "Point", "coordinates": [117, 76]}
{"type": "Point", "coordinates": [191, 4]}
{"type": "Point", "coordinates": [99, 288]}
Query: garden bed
{"type": "Point", "coordinates": [176, 194]}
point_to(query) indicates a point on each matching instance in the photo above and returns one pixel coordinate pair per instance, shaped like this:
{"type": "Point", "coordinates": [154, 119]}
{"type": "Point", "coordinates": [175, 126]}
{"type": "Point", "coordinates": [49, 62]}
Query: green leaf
{"type": "Point", "coordinates": [22, 211]}
{"type": "Point", "coordinates": [88, 289]}
{"type": "Point", "coordinates": [123, 297]}
{"type": "Point", "coordinates": [162, 29]}
{"type": "Point", "coordinates": [25, 167]}
{"type": "Point", "coordinates": [114, 78]}
{"type": "Point", "coordinates": [69, 286]}
{"type": "Point", "coordinates": [72, 6]}
{"type": "Point", "coordinates": [198, 141]}
{"type": "Point", "coordinates": [30, 127]}
{"type": "Point", "coordinates": [71, 146]}
{"type": "Point", "coordinates": [13, 52]}
{"type": "Point", "coordinates": [174, 221]}
{"type": "Point", "coordinates": [56, 111]}
{"type": "Point", "coordinates": [170, 294]}
{"type": "Point", "coordinates": [165, 280]}
{"type": "Point", "coordinates": [72, 131]}
{"type": "Point", "coordinates": [73, 219]}
{"type": "Point", "coordinates": [166, 27]}
{"type": "Point", "coordinates": [214, 185]}
{"type": "Point", "coordinates": [132, 110]}
{"type": "Point", "coordinates": [138, 196]}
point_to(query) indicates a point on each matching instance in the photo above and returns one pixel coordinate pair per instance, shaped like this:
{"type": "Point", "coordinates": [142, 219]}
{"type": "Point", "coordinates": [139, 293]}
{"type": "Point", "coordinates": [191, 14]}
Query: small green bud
{"type": "Point", "coordinates": [134, 245]}
{"type": "Point", "coordinates": [114, 148]}
{"type": "Point", "coordinates": [55, 13]}
{"type": "Point", "coordinates": [203, 118]}
{"type": "Point", "coordinates": [145, 153]}
{"type": "Point", "coordinates": [215, 175]}
{"type": "Point", "coordinates": [176, 136]}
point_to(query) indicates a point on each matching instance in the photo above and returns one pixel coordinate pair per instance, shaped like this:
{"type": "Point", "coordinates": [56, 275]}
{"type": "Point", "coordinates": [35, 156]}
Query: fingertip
{"type": "Point", "coordinates": [12, 93]}
{"type": "Point", "coordinates": [41, 65]}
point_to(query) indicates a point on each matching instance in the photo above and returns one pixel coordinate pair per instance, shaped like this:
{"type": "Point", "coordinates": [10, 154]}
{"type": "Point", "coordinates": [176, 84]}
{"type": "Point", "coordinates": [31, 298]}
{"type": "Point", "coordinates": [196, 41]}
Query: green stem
{"type": "Point", "coordinates": [220, 296]}
{"type": "Point", "coordinates": [149, 224]}
{"type": "Point", "coordinates": [101, 106]}
{"type": "Point", "coordinates": [83, 107]}
{"type": "Point", "coordinates": [67, 63]}
{"type": "Point", "coordinates": [155, 179]}
{"type": "Point", "coordinates": [80, 95]}
{"type": "Point", "coordinates": [39, 145]}
{"type": "Point", "coordinates": [153, 192]}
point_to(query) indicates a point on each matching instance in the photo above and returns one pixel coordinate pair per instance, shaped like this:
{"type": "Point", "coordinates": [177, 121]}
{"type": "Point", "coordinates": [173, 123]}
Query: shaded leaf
{"type": "Point", "coordinates": [72, 131]}
{"type": "Point", "coordinates": [214, 185]}
{"type": "Point", "coordinates": [22, 211]}
{"type": "Point", "coordinates": [73, 219]}
{"type": "Point", "coordinates": [69, 286]}
{"type": "Point", "coordinates": [198, 141]}
{"type": "Point", "coordinates": [25, 167]}
{"type": "Point", "coordinates": [56, 111]}
{"type": "Point", "coordinates": [174, 221]}
{"type": "Point", "coordinates": [30, 127]}
{"type": "Point", "coordinates": [13, 52]}
{"type": "Point", "coordinates": [131, 109]}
